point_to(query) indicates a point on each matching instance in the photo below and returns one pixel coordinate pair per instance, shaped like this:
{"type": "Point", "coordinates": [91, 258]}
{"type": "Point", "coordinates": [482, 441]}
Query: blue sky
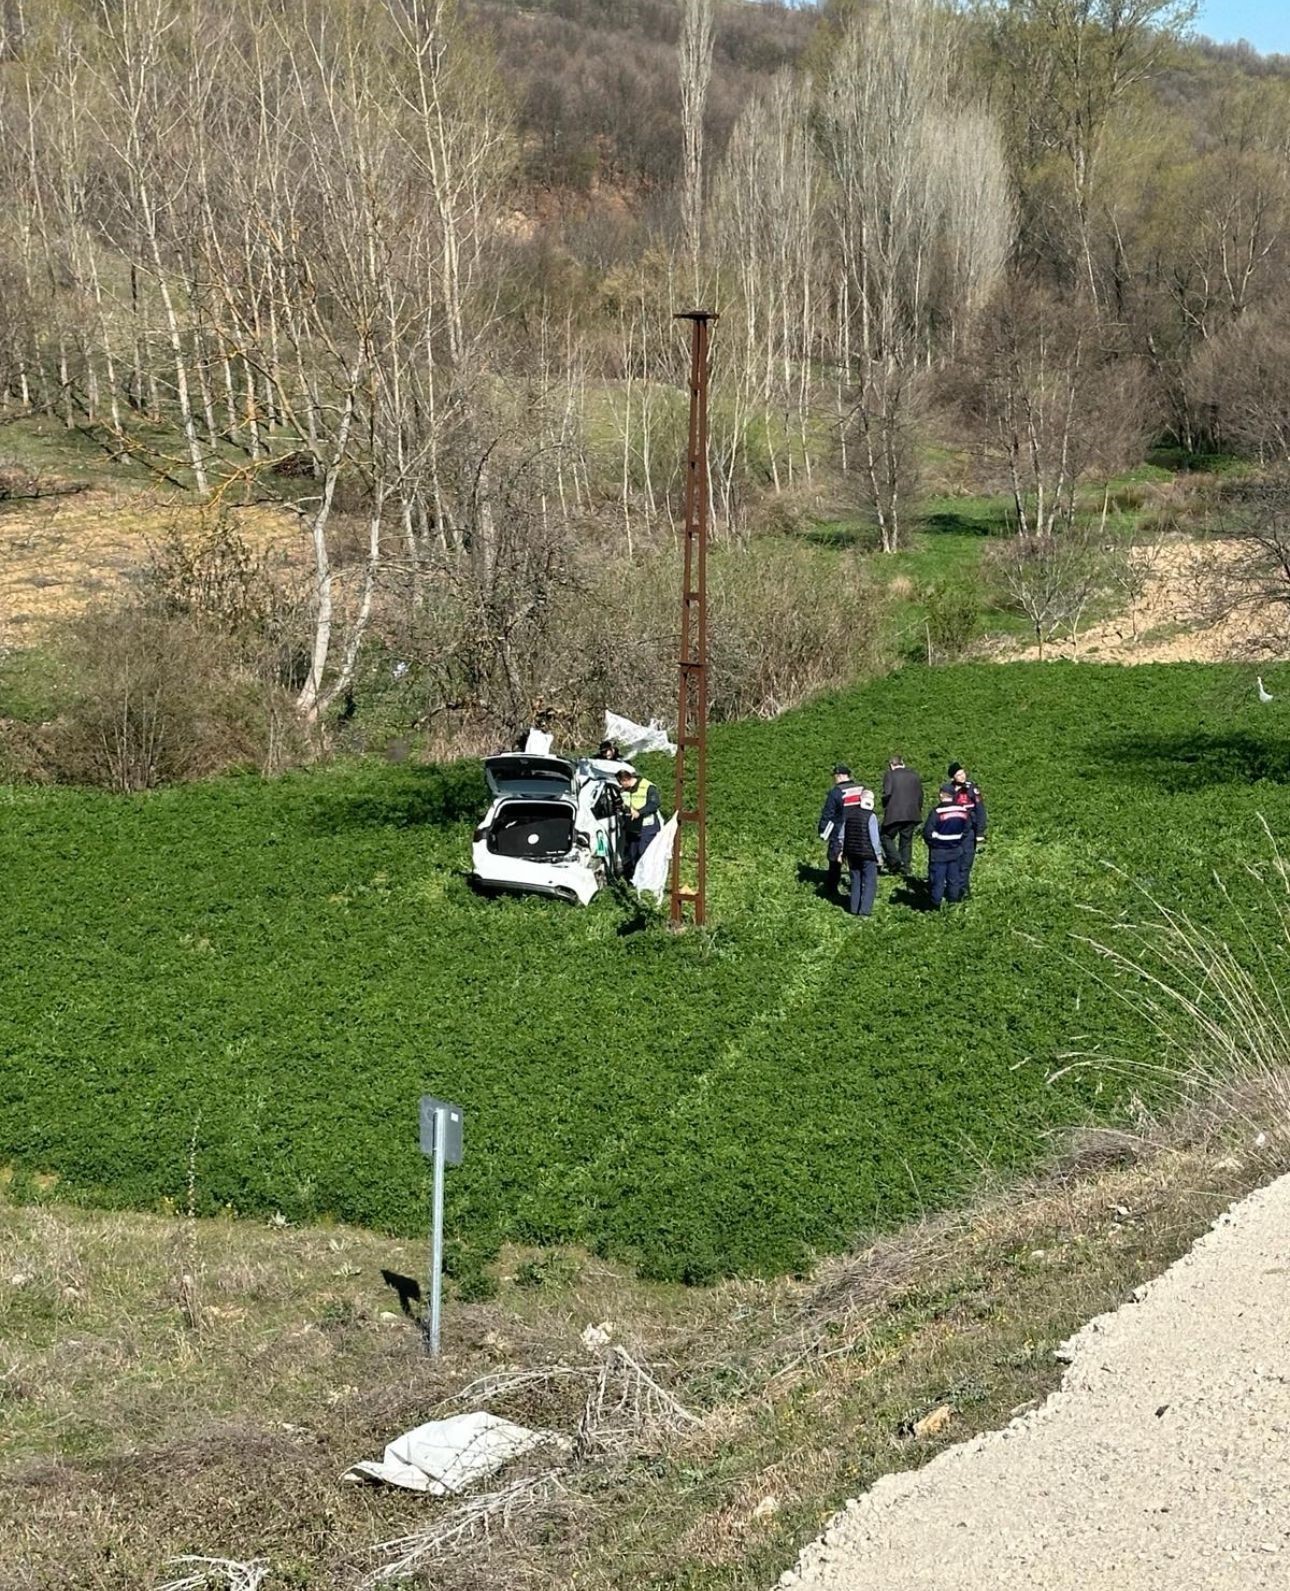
{"type": "Point", "coordinates": [1265, 23]}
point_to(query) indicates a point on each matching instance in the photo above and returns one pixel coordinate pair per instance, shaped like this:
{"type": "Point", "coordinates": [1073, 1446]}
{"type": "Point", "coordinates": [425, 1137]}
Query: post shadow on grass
{"type": "Point", "coordinates": [407, 1288]}
{"type": "Point", "coordinates": [408, 797]}
{"type": "Point", "coordinates": [1194, 759]}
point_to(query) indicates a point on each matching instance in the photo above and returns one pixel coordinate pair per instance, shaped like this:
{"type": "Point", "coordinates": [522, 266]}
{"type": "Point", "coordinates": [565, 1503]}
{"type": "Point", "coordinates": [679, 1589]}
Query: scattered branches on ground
{"type": "Point", "coordinates": [217, 1574]}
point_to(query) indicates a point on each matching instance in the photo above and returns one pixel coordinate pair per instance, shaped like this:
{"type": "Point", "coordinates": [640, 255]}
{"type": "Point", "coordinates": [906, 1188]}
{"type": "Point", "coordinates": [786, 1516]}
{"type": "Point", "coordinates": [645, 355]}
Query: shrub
{"type": "Point", "coordinates": [149, 698]}
{"type": "Point", "coordinates": [784, 625]}
{"type": "Point", "coordinates": [953, 617]}
{"type": "Point", "coordinates": [212, 573]}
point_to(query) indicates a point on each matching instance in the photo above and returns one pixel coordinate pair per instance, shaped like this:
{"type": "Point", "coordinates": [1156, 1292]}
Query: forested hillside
{"type": "Point", "coordinates": [409, 272]}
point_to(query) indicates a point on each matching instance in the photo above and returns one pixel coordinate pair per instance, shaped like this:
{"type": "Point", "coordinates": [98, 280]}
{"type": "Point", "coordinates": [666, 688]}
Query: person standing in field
{"type": "Point", "coordinates": [902, 812]}
{"type": "Point", "coordinates": [862, 848]}
{"type": "Point", "coordinates": [831, 821]}
{"type": "Point", "coordinates": [945, 835]}
{"type": "Point", "coordinates": [968, 795]}
{"type": "Point", "coordinates": [644, 814]}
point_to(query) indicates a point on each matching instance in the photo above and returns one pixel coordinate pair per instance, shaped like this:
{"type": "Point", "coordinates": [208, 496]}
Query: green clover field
{"type": "Point", "coordinates": [273, 972]}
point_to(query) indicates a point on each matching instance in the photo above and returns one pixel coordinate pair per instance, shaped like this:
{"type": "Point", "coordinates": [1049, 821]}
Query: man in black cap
{"type": "Point", "coordinates": [902, 812]}
{"type": "Point", "coordinates": [831, 822]}
{"type": "Point", "coordinates": [968, 796]}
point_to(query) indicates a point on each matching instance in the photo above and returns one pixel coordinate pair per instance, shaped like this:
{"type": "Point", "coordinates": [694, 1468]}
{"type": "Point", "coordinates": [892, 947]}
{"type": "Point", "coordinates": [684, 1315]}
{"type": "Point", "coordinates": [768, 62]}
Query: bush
{"type": "Point", "coordinates": [953, 617]}
{"type": "Point", "coordinates": [784, 624]}
{"type": "Point", "coordinates": [148, 698]}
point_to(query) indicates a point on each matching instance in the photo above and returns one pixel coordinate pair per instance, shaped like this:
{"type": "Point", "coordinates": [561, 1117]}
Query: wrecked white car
{"type": "Point", "coordinates": [555, 827]}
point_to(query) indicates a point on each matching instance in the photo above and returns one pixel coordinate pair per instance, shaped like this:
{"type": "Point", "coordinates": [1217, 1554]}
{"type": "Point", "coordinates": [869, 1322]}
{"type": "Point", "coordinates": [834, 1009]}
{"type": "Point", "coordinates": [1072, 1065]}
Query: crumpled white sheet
{"type": "Point", "coordinates": [444, 1457]}
{"type": "Point", "coordinates": [654, 869]}
{"type": "Point", "coordinates": [538, 743]}
{"type": "Point", "coordinates": [632, 739]}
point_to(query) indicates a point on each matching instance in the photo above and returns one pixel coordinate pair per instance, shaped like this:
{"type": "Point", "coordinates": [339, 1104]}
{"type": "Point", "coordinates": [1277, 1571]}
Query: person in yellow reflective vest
{"type": "Point", "coordinates": [644, 814]}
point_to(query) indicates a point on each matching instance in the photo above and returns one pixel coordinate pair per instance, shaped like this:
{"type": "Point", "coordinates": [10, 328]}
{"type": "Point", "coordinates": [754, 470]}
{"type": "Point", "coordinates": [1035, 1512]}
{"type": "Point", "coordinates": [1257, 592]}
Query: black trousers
{"type": "Point", "coordinates": [898, 846]}
{"type": "Point", "coordinates": [834, 875]}
{"type": "Point", "coordinates": [637, 844]}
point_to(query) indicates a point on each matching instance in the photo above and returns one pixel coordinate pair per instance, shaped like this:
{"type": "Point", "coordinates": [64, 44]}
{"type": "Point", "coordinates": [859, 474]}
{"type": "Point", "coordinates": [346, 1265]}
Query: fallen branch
{"type": "Point", "coordinates": [218, 1574]}
{"type": "Point", "coordinates": [476, 1519]}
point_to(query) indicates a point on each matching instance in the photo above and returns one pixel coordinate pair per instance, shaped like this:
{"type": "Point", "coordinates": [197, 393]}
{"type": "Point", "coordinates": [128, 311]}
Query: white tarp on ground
{"type": "Point", "coordinates": [653, 869]}
{"type": "Point", "coordinates": [632, 739]}
{"type": "Point", "coordinates": [444, 1457]}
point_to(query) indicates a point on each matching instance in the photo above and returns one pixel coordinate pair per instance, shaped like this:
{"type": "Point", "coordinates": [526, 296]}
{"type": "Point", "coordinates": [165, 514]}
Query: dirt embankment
{"type": "Point", "coordinates": [1171, 622]}
{"type": "Point", "coordinates": [1162, 1462]}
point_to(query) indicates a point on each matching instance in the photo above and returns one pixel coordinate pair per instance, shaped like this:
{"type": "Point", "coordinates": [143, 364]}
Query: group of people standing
{"type": "Point", "coordinates": [953, 831]}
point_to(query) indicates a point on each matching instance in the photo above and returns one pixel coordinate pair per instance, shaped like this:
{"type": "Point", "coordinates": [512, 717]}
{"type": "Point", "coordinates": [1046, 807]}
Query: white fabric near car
{"type": "Point", "coordinates": [632, 739]}
{"type": "Point", "coordinates": [538, 742]}
{"type": "Point", "coordinates": [653, 869]}
{"type": "Point", "coordinates": [444, 1457]}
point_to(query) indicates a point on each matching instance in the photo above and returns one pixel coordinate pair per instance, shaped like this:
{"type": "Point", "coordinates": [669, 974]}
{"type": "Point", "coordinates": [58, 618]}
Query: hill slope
{"type": "Point", "coordinates": [274, 971]}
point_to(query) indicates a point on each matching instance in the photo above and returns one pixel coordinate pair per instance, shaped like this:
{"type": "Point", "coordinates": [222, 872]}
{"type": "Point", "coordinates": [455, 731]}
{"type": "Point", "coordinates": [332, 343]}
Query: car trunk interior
{"type": "Point", "coordinates": [538, 831]}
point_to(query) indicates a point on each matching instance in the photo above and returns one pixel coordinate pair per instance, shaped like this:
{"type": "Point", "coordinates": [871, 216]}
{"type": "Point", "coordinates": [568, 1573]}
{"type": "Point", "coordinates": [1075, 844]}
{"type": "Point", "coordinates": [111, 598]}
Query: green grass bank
{"type": "Point", "coordinates": [272, 972]}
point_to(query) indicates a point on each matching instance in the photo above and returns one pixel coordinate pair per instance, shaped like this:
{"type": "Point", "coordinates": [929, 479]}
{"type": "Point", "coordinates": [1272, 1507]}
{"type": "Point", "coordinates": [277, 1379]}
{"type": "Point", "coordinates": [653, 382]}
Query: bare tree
{"type": "Point", "coordinates": [1249, 573]}
{"type": "Point", "coordinates": [1052, 580]}
{"type": "Point", "coordinates": [1240, 383]}
{"type": "Point", "coordinates": [766, 207]}
{"type": "Point", "coordinates": [912, 175]}
{"type": "Point", "coordinates": [1058, 403]}
{"type": "Point", "coordinates": [695, 65]}
{"type": "Point", "coordinates": [1064, 68]}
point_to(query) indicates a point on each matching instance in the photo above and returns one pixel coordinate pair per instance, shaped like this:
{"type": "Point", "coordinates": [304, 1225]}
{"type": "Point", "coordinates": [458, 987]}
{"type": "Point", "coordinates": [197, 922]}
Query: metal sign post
{"type": "Point", "coordinates": [441, 1134]}
{"type": "Point", "coordinates": [692, 717]}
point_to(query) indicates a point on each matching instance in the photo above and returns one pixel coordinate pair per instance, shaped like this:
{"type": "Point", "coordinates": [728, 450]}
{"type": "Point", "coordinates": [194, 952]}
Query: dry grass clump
{"type": "Point", "coordinates": [1217, 1008]}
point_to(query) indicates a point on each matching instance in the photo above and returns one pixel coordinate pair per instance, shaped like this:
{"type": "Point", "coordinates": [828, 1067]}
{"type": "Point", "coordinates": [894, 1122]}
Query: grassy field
{"type": "Point", "coordinates": [251, 983]}
{"type": "Point", "coordinates": [140, 1419]}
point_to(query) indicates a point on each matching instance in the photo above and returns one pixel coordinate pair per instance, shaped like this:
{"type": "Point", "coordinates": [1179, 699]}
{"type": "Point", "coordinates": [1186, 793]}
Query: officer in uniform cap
{"type": "Point", "coordinates": [831, 820]}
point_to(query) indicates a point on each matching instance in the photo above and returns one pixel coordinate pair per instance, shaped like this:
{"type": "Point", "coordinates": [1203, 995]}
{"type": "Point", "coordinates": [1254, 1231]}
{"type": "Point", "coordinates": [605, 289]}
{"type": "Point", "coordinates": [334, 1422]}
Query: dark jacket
{"type": "Point", "coordinates": [860, 841]}
{"type": "Point", "coordinates": [902, 796]}
{"type": "Point", "coordinates": [948, 825]}
{"type": "Point", "coordinates": [831, 813]}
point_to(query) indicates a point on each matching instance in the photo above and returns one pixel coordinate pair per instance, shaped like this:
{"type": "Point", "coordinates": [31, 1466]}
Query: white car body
{"type": "Point", "coordinates": [555, 827]}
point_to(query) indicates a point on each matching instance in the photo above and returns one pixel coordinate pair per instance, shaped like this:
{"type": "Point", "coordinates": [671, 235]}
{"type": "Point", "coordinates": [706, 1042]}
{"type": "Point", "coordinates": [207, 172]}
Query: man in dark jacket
{"type": "Point", "coordinates": [902, 812]}
{"type": "Point", "coordinates": [644, 815]}
{"type": "Point", "coordinates": [968, 796]}
{"type": "Point", "coordinates": [861, 847]}
{"type": "Point", "coordinates": [945, 834]}
{"type": "Point", "coordinates": [831, 825]}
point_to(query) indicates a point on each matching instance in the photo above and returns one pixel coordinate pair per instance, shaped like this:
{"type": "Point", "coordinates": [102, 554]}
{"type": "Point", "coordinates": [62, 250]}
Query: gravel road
{"type": "Point", "coordinates": [1162, 1462]}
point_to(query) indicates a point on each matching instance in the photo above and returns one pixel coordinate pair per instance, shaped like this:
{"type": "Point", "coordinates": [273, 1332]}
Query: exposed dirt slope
{"type": "Point", "coordinates": [1169, 624]}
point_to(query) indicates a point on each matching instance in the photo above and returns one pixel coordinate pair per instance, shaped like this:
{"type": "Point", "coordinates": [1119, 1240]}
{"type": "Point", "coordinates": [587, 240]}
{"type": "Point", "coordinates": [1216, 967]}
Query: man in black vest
{"type": "Point", "coordinates": [902, 812]}
{"type": "Point", "coordinates": [861, 846]}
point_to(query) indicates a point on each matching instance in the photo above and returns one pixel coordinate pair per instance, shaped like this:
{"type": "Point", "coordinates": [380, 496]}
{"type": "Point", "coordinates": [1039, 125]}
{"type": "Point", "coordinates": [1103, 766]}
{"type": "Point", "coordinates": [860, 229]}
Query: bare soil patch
{"type": "Point", "coordinates": [60, 553]}
{"type": "Point", "coordinates": [1171, 624]}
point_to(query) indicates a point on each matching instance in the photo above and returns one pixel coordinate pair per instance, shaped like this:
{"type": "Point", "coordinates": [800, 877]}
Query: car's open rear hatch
{"type": "Point", "coordinates": [519, 773]}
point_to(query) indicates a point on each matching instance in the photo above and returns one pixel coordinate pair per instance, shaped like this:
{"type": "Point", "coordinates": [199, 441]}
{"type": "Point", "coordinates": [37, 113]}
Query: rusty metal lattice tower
{"type": "Point", "coordinates": [690, 856]}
